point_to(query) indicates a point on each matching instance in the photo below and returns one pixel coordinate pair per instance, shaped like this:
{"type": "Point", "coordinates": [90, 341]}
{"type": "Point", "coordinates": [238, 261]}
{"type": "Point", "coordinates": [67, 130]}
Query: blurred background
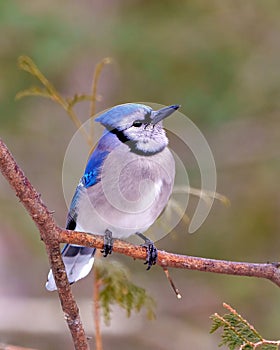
{"type": "Point", "coordinates": [221, 61]}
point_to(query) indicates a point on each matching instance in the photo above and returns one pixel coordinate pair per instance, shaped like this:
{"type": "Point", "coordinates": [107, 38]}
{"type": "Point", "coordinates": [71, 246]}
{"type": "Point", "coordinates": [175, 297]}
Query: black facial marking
{"type": "Point", "coordinates": [120, 135]}
{"type": "Point", "coordinates": [131, 144]}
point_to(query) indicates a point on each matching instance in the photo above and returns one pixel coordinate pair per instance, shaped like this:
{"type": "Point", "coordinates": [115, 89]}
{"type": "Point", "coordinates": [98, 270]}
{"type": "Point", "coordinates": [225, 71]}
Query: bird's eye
{"type": "Point", "coordinates": [137, 124]}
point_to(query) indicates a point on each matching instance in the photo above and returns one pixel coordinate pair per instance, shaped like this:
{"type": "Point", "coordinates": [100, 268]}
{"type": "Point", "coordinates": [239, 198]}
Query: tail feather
{"type": "Point", "coordinates": [78, 262]}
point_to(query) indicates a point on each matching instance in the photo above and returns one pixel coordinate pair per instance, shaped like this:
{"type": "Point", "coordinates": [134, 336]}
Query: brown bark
{"type": "Point", "coordinates": [269, 271]}
{"type": "Point", "coordinates": [50, 233]}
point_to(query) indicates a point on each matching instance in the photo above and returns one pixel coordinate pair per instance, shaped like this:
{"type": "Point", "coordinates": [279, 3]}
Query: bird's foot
{"type": "Point", "coordinates": [151, 258]}
{"type": "Point", "coordinates": [108, 243]}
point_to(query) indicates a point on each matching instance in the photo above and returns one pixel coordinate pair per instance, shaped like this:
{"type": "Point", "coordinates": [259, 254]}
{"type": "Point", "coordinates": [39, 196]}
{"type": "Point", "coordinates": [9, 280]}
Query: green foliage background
{"type": "Point", "coordinates": [221, 61]}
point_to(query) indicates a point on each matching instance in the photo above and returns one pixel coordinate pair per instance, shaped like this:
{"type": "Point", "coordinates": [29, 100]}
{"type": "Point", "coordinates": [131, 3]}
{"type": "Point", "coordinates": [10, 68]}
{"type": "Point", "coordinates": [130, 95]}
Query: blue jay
{"type": "Point", "coordinates": [126, 185]}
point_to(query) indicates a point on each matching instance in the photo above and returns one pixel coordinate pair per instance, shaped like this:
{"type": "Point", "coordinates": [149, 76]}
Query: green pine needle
{"type": "Point", "coordinates": [239, 333]}
{"type": "Point", "coordinates": [116, 288]}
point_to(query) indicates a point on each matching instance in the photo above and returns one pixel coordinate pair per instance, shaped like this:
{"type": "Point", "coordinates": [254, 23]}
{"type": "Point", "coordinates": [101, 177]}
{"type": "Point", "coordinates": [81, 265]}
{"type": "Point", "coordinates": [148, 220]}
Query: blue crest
{"type": "Point", "coordinates": [122, 116]}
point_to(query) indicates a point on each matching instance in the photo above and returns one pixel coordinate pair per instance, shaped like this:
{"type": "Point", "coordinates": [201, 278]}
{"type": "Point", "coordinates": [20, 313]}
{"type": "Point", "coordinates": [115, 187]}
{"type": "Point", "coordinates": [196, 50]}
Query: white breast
{"type": "Point", "coordinates": [132, 193]}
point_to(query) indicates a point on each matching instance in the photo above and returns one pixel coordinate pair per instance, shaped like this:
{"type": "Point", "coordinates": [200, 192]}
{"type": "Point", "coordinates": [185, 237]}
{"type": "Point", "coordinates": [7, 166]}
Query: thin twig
{"type": "Point", "coordinates": [27, 64]}
{"type": "Point", "coordinates": [95, 79]}
{"type": "Point", "coordinates": [96, 305]}
{"type": "Point", "coordinates": [176, 290]}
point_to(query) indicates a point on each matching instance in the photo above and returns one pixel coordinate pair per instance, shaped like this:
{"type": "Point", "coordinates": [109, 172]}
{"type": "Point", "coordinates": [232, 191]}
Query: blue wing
{"type": "Point", "coordinates": [106, 144]}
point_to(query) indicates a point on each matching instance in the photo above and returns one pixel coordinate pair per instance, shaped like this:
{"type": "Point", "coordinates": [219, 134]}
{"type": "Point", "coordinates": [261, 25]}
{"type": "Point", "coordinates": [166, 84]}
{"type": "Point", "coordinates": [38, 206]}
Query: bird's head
{"type": "Point", "coordinates": [138, 125]}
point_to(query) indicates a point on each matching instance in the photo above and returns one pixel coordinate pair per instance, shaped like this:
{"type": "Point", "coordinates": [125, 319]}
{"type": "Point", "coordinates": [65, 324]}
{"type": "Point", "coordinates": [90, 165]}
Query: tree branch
{"type": "Point", "coordinates": [52, 236]}
{"type": "Point", "coordinates": [269, 271]}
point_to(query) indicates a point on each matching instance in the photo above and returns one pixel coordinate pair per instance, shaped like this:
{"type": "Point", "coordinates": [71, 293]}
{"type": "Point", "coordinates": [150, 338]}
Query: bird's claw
{"type": "Point", "coordinates": [151, 258]}
{"type": "Point", "coordinates": [108, 244]}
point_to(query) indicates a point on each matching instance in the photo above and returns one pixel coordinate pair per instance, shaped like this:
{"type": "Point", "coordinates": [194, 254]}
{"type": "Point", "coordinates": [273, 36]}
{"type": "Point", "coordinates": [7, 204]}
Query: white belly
{"type": "Point", "coordinates": [132, 193]}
